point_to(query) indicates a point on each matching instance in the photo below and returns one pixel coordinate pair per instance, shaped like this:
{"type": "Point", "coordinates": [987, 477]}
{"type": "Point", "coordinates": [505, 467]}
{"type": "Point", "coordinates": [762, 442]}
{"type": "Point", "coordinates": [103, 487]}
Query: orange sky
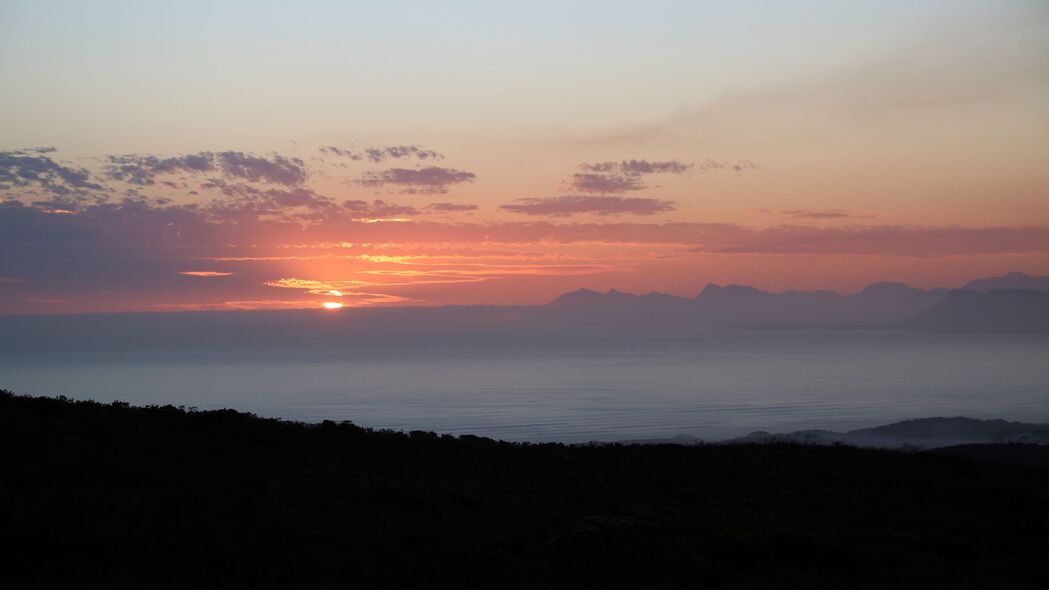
{"type": "Point", "coordinates": [261, 156]}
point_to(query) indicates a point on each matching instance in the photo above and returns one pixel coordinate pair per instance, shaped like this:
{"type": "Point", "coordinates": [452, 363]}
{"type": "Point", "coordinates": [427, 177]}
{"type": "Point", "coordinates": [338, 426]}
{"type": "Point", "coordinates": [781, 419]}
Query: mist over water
{"type": "Point", "coordinates": [716, 385]}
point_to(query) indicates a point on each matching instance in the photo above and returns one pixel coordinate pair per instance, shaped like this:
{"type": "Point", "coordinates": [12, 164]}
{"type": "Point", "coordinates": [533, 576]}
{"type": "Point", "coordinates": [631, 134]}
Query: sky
{"type": "Point", "coordinates": [253, 155]}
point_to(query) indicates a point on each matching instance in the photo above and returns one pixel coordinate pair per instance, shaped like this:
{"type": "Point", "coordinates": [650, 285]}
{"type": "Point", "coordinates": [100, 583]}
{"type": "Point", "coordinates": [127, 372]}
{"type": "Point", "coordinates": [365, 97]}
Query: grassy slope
{"type": "Point", "coordinates": [100, 495]}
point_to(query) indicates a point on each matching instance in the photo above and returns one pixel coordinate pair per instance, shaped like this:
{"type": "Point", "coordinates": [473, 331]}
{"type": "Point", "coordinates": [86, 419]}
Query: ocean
{"type": "Point", "coordinates": [713, 386]}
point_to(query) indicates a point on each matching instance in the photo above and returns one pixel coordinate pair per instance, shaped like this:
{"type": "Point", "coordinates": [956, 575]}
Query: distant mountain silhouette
{"type": "Point", "coordinates": [615, 309]}
{"type": "Point", "coordinates": [878, 304]}
{"type": "Point", "coordinates": [923, 432]}
{"type": "Point", "coordinates": [1009, 310]}
{"type": "Point", "coordinates": [741, 305]}
{"type": "Point", "coordinates": [583, 315]}
{"type": "Point", "coordinates": [1013, 280]}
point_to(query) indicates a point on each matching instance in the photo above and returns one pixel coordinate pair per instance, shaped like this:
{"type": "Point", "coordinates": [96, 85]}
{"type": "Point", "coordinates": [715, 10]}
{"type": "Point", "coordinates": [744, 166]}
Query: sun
{"type": "Point", "coordinates": [332, 305]}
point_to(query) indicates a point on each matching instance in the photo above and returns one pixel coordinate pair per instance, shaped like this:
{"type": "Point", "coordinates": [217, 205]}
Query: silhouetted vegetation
{"type": "Point", "coordinates": [96, 495]}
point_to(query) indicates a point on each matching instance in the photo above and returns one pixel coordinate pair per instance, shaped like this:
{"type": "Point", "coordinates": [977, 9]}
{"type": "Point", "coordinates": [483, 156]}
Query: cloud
{"type": "Point", "coordinates": [277, 169]}
{"type": "Point", "coordinates": [377, 208]}
{"type": "Point", "coordinates": [881, 240]}
{"type": "Point", "coordinates": [138, 247]}
{"type": "Point", "coordinates": [429, 180]}
{"type": "Point", "coordinates": [205, 273]}
{"type": "Point", "coordinates": [824, 214]}
{"type": "Point", "coordinates": [143, 170]}
{"type": "Point", "coordinates": [142, 227]}
{"type": "Point", "coordinates": [318, 287]}
{"type": "Point", "coordinates": [737, 166]}
{"type": "Point", "coordinates": [903, 93]}
{"type": "Point", "coordinates": [242, 200]}
{"type": "Point", "coordinates": [381, 154]}
{"type": "Point", "coordinates": [598, 205]}
{"type": "Point", "coordinates": [639, 167]}
{"type": "Point", "coordinates": [452, 207]}
{"type": "Point", "coordinates": [590, 182]}
{"type": "Point", "coordinates": [31, 169]}
{"type": "Point", "coordinates": [625, 175]}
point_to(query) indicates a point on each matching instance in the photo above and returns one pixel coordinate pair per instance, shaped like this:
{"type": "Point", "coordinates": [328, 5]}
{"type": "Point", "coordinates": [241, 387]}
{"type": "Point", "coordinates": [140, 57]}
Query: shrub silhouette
{"type": "Point", "coordinates": [97, 495]}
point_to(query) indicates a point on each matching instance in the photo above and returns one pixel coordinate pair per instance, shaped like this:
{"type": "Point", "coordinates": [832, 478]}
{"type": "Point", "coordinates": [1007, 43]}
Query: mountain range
{"type": "Point", "coordinates": [1012, 302]}
{"type": "Point", "coordinates": [922, 433]}
{"type": "Point", "coordinates": [580, 317]}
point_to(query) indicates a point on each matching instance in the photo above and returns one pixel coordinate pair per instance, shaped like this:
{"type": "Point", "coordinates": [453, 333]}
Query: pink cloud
{"type": "Point", "coordinates": [429, 180]}
{"type": "Point", "coordinates": [597, 205]}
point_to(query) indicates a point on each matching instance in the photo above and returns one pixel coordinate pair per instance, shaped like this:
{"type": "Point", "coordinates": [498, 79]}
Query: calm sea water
{"type": "Point", "coordinates": [719, 385]}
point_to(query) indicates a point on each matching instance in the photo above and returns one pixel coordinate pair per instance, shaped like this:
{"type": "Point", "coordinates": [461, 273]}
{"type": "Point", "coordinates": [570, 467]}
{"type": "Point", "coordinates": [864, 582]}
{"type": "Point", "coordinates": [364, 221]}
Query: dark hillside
{"type": "Point", "coordinates": [110, 496]}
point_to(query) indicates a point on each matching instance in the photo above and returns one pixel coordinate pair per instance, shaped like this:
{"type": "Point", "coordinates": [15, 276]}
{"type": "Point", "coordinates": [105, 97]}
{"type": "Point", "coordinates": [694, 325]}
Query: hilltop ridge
{"type": "Point", "coordinates": [164, 497]}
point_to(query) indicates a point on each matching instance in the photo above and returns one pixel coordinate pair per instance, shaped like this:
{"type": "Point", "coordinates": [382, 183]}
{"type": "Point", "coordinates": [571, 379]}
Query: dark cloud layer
{"type": "Point", "coordinates": [138, 247]}
{"type": "Point", "coordinates": [597, 205]}
{"type": "Point", "coordinates": [429, 180]}
{"type": "Point", "coordinates": [140, 222]}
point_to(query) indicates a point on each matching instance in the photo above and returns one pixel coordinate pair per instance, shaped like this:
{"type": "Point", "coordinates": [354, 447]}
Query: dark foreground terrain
{"type": "Point", "coordinates": [96, 495]}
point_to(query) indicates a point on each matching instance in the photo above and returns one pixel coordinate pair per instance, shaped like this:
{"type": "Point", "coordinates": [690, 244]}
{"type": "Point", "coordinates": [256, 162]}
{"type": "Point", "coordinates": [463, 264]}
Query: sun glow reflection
{"type": "Point", "coordinates": [332, 305]}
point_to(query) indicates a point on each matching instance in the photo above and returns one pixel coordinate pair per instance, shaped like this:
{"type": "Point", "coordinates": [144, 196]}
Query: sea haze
{"type": "Point", "coordinates": [714, 384]}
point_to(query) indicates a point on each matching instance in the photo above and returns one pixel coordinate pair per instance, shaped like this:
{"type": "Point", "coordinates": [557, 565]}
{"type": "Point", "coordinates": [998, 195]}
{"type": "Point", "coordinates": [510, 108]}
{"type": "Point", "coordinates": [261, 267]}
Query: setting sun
{"type": "Point", "coordinates": [332, 305]}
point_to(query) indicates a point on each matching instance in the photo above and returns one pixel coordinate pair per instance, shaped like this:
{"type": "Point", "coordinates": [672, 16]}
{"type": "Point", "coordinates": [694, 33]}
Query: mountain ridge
{"type": "Point", "coordinates": [582, 316]}
{"type": "Point", "coordinates": [1003, 310]}
{"type": "Point", "coordinates": [882, 303]}
{"type": "Point", "coordinates": [926, 433]}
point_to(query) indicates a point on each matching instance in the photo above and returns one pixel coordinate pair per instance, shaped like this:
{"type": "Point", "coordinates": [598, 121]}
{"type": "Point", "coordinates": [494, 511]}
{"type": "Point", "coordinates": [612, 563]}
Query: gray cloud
{"type": "Point", "coordinates": [823, 214]}
{"type": "Point", "coordinates": [737, 166]}
{"type": "Point", "coordinates": [146, 225]}
{"type": "Point", "coordinates": [277, 169]}
{"type": "Point", "coordinates": [625, 175]}
{"type": "Point", "coordinates": [143, 169]}
{"type": "Point", "coordinates": [429, 180]}
{"type": "Point", "coordinates": [638, 167]}
{"type": "Point", "coordinates": [598, 205]}
{"type": "Point", "coordinates": [248, 201]}
{"type": "Point", "coordinates": [32, 169]}
{"type": "Point", "coordinates": [590, 182]}
{"type": "Point", "coordinates": [378, 208]}
{"type": "Point", "coordinates": [452, 207]}
{"type": "Point", "coordinates": [381, 154]}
